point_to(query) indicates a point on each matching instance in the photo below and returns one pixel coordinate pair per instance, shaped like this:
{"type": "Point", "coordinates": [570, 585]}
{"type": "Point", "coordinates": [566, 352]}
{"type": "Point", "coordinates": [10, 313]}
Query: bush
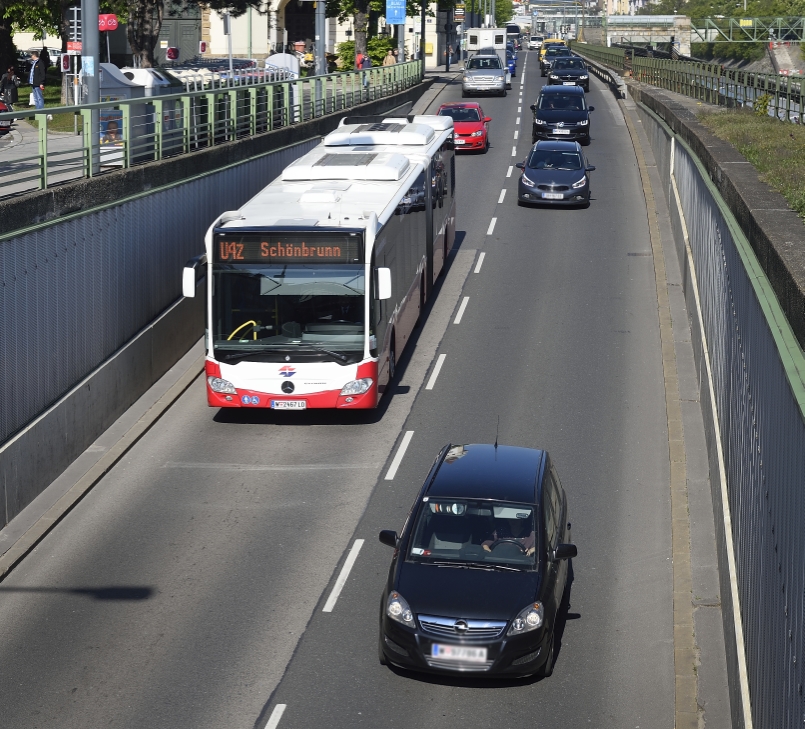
{"type": "Point", "coordinates": [376, 47]}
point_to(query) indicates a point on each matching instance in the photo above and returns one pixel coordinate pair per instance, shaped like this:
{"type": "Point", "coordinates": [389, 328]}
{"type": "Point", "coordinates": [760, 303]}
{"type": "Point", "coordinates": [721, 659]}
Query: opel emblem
{"type": "Point", "coordinates": [287, 387]}
{"type": "Point", "coordinates": [461, 626]}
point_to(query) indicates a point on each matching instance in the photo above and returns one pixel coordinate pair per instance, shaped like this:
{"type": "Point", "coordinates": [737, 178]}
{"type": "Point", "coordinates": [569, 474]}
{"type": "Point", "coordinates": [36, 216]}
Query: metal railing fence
{"type": "Point", "coordinates": [154, 128]}
{"type": "Point", "coordinates": [709, 82]}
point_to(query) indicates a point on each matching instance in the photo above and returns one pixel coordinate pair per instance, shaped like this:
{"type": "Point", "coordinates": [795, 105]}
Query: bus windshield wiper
{"type": "Point", "coordinates": [239, 355]}
{"type": "Point", "coordinates": [337, 355]}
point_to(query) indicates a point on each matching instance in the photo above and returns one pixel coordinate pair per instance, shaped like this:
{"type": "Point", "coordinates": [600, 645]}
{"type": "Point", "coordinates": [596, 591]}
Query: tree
{"type": "Point", "coordinates": [360, 11]}
{"type": "Point", "coordinates": [504, 12]}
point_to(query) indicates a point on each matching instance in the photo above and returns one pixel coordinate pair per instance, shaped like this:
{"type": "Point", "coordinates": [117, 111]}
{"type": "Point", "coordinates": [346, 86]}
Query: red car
{"type": "Point", "coordinates": [5, 124]}
{"type": "Point", "coordinates": [470, 125]}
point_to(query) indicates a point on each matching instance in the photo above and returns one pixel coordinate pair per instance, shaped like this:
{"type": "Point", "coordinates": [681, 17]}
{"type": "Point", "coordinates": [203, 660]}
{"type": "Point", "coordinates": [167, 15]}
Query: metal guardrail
{"type": "Point", "coordinates": [154, 128]}
{"type": "Point", "coordinates": [709, 82]}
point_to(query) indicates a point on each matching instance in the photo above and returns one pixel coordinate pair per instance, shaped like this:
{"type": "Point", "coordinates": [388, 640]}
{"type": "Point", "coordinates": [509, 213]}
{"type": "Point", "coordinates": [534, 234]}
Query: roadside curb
{"type": "Point", "coordinates": [65, 504]}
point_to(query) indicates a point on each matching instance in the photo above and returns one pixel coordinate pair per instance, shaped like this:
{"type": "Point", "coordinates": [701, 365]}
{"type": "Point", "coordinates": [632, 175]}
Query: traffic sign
{"type": "Point", "coordinates": [107, 22]}
{"type": "Point", "coordinates": [395, 12]}
{"type": "Point", "coordinates": [74, 46]}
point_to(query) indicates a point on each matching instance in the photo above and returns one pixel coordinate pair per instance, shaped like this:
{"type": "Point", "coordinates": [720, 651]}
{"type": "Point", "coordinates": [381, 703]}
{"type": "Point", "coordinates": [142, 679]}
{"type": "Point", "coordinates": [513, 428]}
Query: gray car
{"type": "Point", "coordinates": [484, 74]}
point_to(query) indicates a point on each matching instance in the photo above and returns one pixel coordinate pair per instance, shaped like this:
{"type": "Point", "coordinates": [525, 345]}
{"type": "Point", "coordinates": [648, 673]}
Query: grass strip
{"type": "Point", "coordinates": [776, 149]}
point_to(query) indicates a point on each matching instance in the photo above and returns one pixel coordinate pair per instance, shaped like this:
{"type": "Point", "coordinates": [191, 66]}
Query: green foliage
{"type": "Point", "coordinates": [504, 12]}
{"type": "Point", "coordinates": [761, 105]}
{"type": "Point", "coordinates": [731, 51]}
{"type": "Point", "coordinates": [377, 48]}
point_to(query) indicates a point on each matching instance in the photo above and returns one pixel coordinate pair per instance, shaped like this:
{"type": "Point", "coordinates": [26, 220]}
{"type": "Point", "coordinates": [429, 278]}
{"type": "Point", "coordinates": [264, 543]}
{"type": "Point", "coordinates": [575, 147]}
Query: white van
{"type": "Point", "coordinates": [535, 42]}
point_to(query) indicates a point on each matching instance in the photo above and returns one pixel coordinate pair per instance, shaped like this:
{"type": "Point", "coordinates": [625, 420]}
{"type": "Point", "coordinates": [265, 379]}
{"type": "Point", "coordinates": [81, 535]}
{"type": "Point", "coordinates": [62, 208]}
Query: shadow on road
{"type": "Point", "coordinates": [96, 593]}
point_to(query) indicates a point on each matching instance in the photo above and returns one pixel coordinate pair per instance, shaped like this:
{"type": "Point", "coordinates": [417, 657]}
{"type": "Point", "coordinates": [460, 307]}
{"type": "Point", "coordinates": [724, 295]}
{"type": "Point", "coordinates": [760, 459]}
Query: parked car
{"type": "Point", "coordinates": [569, 72]}
{"type": "Point", "coordinates": [555, 173]}
{"type": "Point", "coordinates": [470, 125]}
{"type": "Point", "coordinates": [561, 112]}
{"type": "Point", "coordinates": [480, 570]}
{"type": "Point", "coordinates": [483, 74]}
{"type": "Point", "coordinates": [5, 124]}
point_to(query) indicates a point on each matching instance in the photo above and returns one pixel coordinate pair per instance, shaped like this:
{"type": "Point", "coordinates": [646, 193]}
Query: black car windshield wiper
{"type": "Point", "coordinates": [478, 566]}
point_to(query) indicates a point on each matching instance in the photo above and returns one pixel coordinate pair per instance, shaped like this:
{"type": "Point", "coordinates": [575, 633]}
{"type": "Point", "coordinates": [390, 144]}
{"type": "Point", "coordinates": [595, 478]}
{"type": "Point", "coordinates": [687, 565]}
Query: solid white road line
{"type": "Point", "coordinates": [516, 134]}
{"type": "Point", "coordinates": [276, 715]}
{"type": "Point", "coordinates": [514, 151]}
{"type": "Point", "coordinates": [480, 262]}
{"type": "Point", "coordinates": [509, 171]}
{"type": "Point", "coordinates": [342, 578]}
{"type": "Point", "coordinates": [491, 228]}
{"type": "Point", "coordinates": [502, 195]}
{"type": "Point", "coordinates": [436, 370]}
{"type": "Point", "coordinates": [395, 464]}
{"type": "Point", "coordinates": [461, 309]}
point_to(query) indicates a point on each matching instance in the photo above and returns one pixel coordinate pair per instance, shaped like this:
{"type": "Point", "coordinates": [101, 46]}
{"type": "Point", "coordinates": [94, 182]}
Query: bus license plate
{"type": "Point", "coordinates": [458, 653]}
{"type": "Point", "coordinates": [288, 404]}
{"type": "Point", "coordinates": [553, 196]}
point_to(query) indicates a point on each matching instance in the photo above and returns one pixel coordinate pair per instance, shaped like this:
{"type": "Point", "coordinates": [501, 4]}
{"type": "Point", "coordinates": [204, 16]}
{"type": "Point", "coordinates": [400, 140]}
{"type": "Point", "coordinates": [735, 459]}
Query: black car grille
{"type": "Point", "coordinates": [446, 627]}
{"type": "Point", "coordinates": [459, 665]}
{"type": "Point", "coordinates": [553, 188]}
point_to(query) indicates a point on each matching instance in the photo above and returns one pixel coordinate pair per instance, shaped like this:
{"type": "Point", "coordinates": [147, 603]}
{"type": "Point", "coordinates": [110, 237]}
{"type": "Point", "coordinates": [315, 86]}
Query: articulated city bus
{"type": "Point", "coordinates": [315, 285]}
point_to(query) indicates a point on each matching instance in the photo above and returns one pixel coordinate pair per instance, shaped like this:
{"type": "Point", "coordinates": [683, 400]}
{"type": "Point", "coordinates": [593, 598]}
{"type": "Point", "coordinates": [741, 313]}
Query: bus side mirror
{"type": "Point", "coordinates": [383, 284]}
{"type": "Point", "coordinates": [189, 283]}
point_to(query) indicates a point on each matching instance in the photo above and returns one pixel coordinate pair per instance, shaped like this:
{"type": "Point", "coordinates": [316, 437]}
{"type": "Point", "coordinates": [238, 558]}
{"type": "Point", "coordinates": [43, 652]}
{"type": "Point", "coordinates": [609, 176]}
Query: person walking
{"type": "Point", "coordinates": [9, 82]}
{"type": "Point", "coordinates": [37, 80]}
{"type": "Point", "coordinates": [389, 60]}
{"type": "Point", "coordinates": [366, 64]}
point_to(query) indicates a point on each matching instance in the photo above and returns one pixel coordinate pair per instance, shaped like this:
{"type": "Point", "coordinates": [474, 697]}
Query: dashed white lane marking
{"type": "Point", "coordinates": [342, 578]}
{"type": "Point", "coordinates": [491, 228]}
{"type": "Point", "coordinates": [502, 195]}
{"type": "Point", "coordinates": [480, 262]}
{"type": "Point", "coordinates": [519, 109]}
{"type": "Point", "coordinates": [436, 370]}
{"type": "Point", "coordinates": [276, 715]}
{"type": "Point", "coordinates": [518, 119]}
{"type": "Point", "coordinates": [461, 308]}
{"type": "Point", "coordinates": [514, 151]}
{"type": "Point", "coordinates": [516, 134]}
{"type": "Point", "coordinates": [509, 171]}
{"type": "Point", "coordinates": [395, 464]}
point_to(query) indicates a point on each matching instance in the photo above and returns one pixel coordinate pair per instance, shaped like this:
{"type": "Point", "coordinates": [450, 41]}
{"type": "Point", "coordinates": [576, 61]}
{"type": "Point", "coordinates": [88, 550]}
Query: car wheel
{"type": "Point", "coordinates": [503, 93]}
{"type": "Point", "coordinates": [486, 147]}
{"type": "Point", "coordinates": [547, 669]}
{"type": "Point", "coordinates": [381, 657]}
{"type": "Point", "coordinates": [533, 138]}
{"type": "Point", "coordinates": [463, 94]}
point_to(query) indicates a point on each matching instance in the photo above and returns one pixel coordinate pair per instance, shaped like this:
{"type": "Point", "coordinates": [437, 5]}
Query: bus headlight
{"type": "Point", "coordinates": [356, 387]}
{"type": "Point", "coordinates": [224, 386]}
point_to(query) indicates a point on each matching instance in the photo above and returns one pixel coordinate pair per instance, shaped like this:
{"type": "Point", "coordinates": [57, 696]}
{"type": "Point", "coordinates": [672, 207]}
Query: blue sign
{"type": "Point", "coordinates": [395, 12]}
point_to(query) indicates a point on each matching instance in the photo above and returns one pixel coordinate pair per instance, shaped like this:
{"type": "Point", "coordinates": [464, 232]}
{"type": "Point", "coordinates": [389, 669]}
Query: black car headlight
{"type": "Point", "coordinates": [397, 609]}
{"type": "Point", "coordinates": [583, 123]}
{"type": "Point", "coordinates": [583, 77]}
{"type": "Point", "coordinates": [540, 121]}
{"type": "Point", "coordinates": [529, 618]}
{"type": "Point", "coordinates": [526, 181]}
{"type": "Point", "coordinates": [553, 75]}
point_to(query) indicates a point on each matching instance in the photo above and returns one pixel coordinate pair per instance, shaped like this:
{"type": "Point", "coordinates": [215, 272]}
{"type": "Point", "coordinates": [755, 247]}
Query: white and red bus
{"type": "Point", "coordinates": [315, 285]}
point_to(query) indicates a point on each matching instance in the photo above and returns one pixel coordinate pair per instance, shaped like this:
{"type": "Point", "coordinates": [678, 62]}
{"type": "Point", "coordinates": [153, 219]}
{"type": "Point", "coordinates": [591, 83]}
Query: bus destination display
{"type": "Point", "coordinates": [290, 248]}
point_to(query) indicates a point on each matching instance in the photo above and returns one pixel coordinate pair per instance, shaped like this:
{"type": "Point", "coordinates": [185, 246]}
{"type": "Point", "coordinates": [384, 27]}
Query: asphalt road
{"type": "Point", "coordinates": [186, 591]}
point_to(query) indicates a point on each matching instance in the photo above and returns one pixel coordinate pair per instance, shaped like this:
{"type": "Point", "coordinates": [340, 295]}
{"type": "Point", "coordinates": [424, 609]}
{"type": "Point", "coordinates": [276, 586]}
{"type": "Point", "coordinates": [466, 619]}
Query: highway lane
{"type": "Point", "coordinates": [176, 593]}
{"type": "Point", "coordinates": [559, 338]}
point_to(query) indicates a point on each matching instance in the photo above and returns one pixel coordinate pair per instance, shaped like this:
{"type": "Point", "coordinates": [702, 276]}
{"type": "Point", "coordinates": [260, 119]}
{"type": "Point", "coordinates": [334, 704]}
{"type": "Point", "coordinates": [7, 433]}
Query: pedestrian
{"type": "Point", "coordinates": [9, 82]}
{"type": "Point", "coordinates": [389, 60]}
{"type": "Point", "coordinates": [37, 80]}
{"type": "Point", "coordinates": [366, 64]}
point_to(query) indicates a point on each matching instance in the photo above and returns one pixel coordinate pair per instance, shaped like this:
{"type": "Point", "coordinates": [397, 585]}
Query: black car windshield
{"type": "Point", "coordinates": [309, 308]}
{"type": "Point", "coordinates": [568, 63]}
{"type": "Point", "coordinates": [547, 159]}
{"type": "Point", "coordinates": [461, 114]}
{"type": "Point", "coordinates": [483, 63]}
{"type": "Point", "coordinates": [493, 533]}
{"type": "Point", "coordinates": [571, 102]}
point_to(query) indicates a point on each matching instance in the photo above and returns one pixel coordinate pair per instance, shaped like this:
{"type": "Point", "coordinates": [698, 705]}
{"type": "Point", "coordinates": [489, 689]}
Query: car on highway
{"type": "Point", "coordinates": [511, 63]}
{"type": "Point", "coordinates": [550, 43]}
{"type": "Point", "coordinates": [470, 124]}
{"type": "Point", "coordinates": [481, 567]}
{"type": "Point", "coordinates": [555, 173]}
{"type": "Point", "coordinates": [561, 112]}
{"type": "Point", "coordinates": [535, 42]}
{"type": "Point", "coordinates": [569, 72]}
{"type": "Point", "coordinates": [552, 55]}
{"type": "Point", "coordinates": [483, 74]}
{"type": "Point", "coordinates": [510, 46]}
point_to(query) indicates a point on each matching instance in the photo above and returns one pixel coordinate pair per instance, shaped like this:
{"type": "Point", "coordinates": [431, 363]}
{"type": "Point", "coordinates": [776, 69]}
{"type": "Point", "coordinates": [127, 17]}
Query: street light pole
{"type": "Point", "coordinates": [90, 67]}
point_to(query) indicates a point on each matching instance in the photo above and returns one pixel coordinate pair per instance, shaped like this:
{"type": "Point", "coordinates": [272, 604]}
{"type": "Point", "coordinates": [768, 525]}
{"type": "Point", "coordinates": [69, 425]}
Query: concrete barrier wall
{"type": "Point", "coordinates": [92, 314]}
{"type": "Point", "coordinates": [751, 372]}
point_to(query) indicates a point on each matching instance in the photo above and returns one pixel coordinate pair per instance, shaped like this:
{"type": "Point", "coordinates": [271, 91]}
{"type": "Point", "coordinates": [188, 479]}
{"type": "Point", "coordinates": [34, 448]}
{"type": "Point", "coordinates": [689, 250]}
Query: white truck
{"type": "Point", "coordinates": [477, 39]}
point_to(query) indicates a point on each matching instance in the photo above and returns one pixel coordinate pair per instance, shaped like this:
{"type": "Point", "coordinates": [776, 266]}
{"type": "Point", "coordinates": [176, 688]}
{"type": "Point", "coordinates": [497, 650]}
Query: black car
{"type": "Point", "coordinates": [555, 173]}
{"type": "Point", "coordinates": [569, 72]}
{"type": "Point", "coordinates": [481, 567]}
{"type": "Point", "coordinates": [551, 55]}
{"type": "Point", "coordinates": [561, 112]}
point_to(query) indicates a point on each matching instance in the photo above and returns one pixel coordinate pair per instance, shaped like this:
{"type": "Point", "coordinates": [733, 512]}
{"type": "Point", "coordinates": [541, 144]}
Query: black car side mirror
{"type": "Point", "coordinates": [562, 551]}
{"type": "Point", "coordinates": [533, 107]}
{"type": "Point", "coordinates": [590, 108]}
{"type": "Point", "coordinates": [389, 538]}
{"type": "Point", "coordinates": [590, 168]}
{"type": "Point", "coordinates": [520, 165]}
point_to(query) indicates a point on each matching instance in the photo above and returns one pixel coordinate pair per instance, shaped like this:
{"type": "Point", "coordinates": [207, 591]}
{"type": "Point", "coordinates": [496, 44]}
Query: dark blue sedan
{"type": "Point", "coordinates": [511, 63]}
{"type": "Point", "coordinates": [555, 173]}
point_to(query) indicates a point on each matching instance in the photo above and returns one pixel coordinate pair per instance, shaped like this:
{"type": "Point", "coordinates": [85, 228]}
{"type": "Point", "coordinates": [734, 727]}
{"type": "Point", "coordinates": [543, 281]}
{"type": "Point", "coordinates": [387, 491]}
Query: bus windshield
{"type": "Point", "coordinates": [276, 310]}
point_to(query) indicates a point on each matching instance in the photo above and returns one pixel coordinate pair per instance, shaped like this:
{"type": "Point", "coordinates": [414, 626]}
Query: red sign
{"type": "Point", "coordinates": [172, 54]}
{"type": "Point", "coordinates": [73, 45]}
{"type": "Point", "coordinates": [107, 22]}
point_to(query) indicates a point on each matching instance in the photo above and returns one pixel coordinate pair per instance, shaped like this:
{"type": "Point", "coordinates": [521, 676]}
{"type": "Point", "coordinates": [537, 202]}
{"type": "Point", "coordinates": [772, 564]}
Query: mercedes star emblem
{"type": "Point", "coordinates": [287, 387]}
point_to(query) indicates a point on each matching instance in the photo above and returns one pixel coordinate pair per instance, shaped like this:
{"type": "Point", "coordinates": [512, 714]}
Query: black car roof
{"type": "Point", "coordinates": [557, 145]}
{"type": "Point", "coordinates": [562, 90]}
{"type": "Point", "coordinates": [483, 471]}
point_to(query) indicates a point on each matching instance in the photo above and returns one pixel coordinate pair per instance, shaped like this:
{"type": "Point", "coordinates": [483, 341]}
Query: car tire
{"type": "Point", "coordinates": [463, 94]}
{"type": "Point", "coordinates": [486, 147]}
{"type": "Point", "coordinates": [547, 669]}
{"type": "Point", "coordinates": [533, 138]}
{"type": "Point", "coordinates": [381, 657]}
{"type": "Point", "coordinates": [503, 93]}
